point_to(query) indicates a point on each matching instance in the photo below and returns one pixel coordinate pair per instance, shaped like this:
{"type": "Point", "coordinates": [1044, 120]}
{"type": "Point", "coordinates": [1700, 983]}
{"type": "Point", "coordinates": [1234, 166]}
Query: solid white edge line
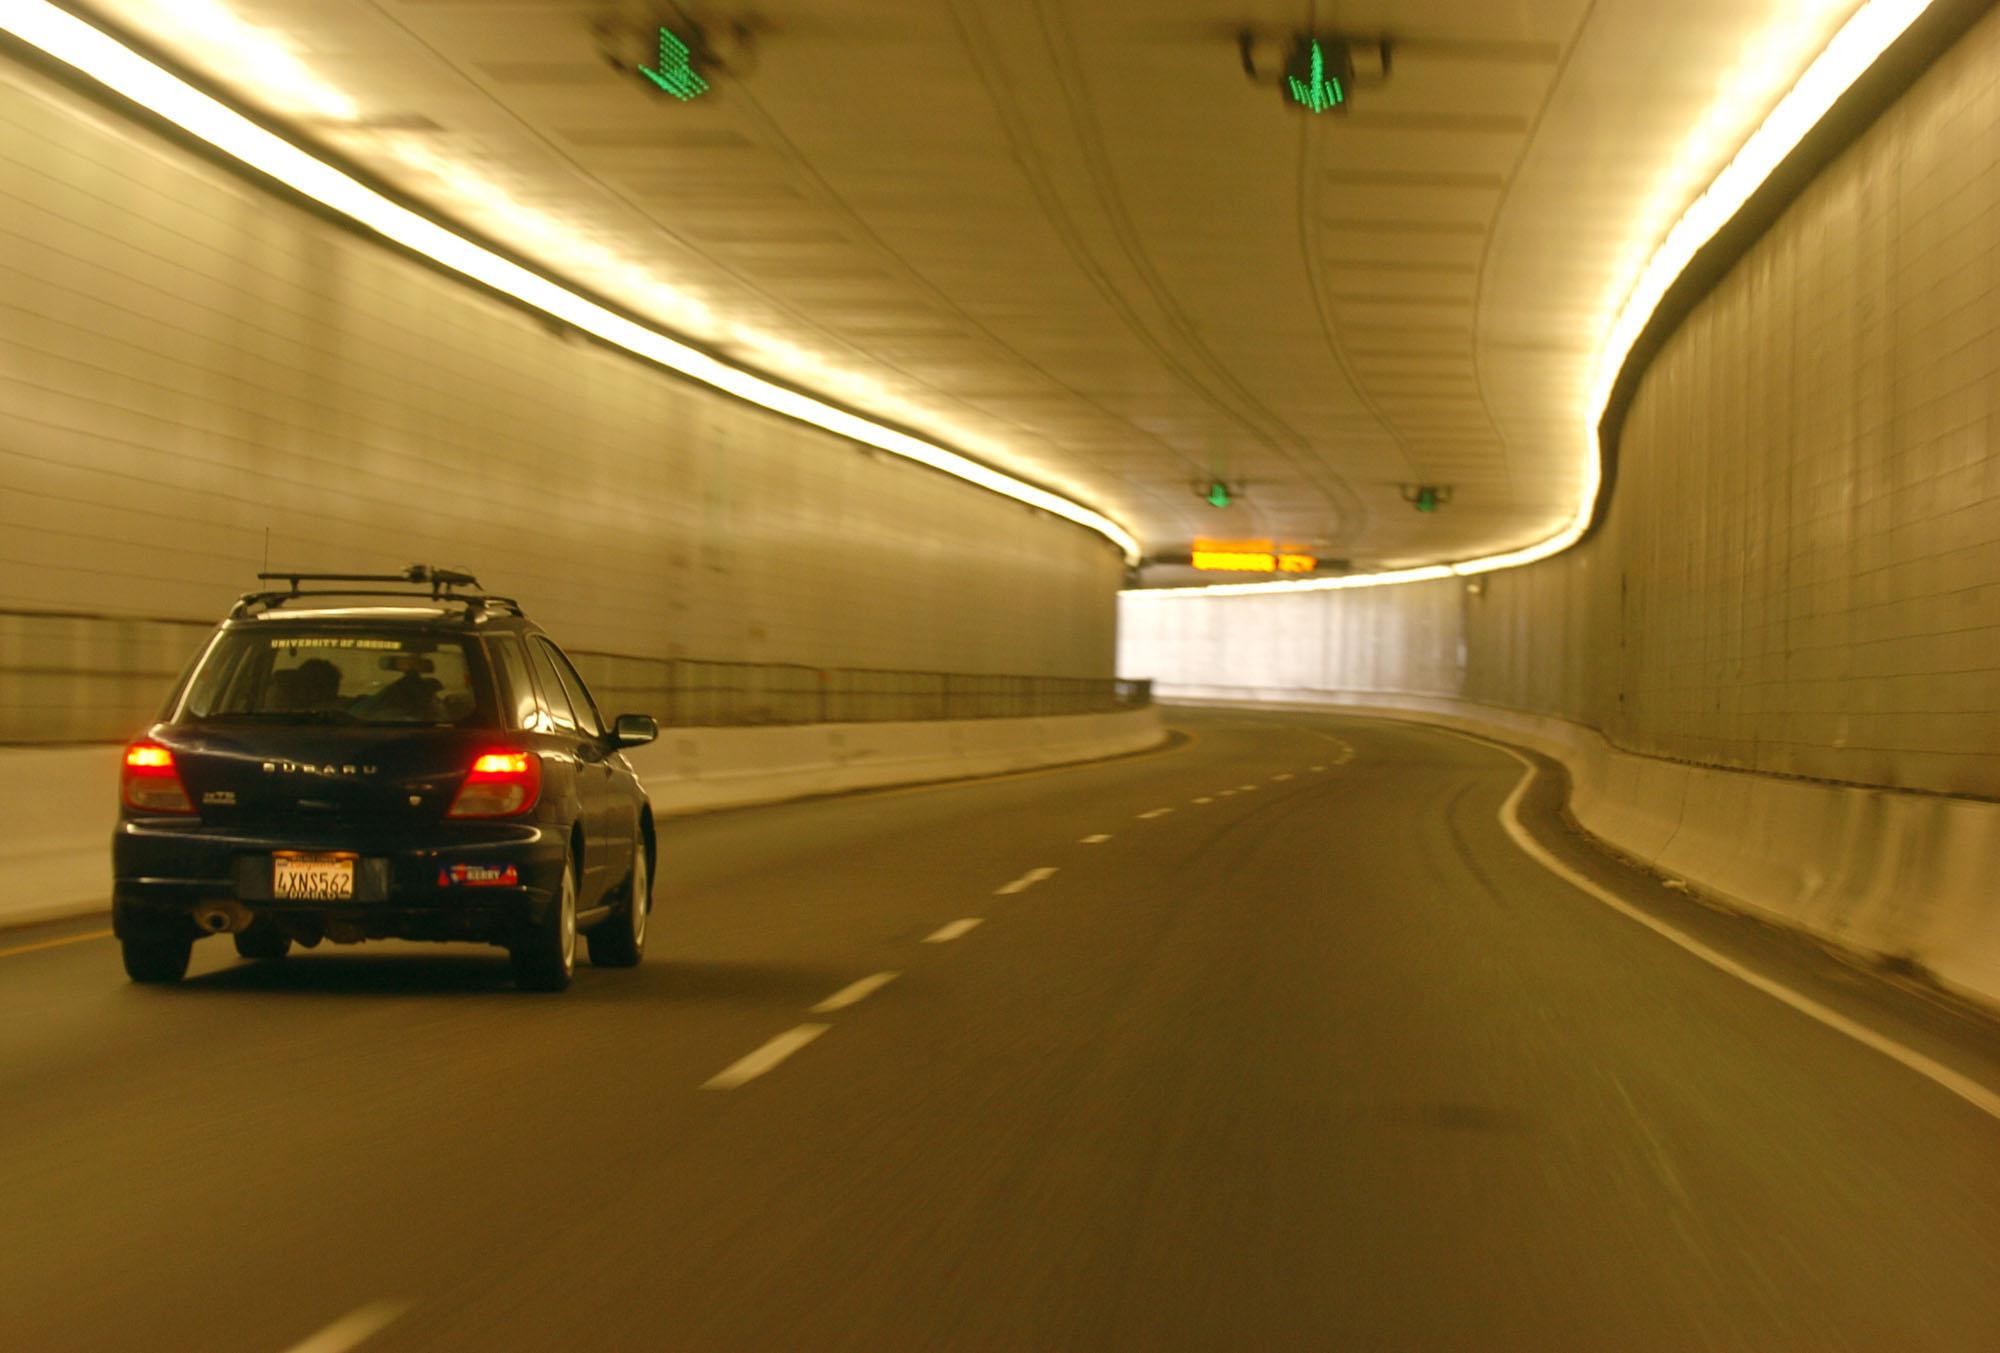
{"type": "Point", "coordinates": [353, 1329]}
{"type": "Point", "coordinates": [748, 1068]}
{"type": "Point", "coordinates": [98, 56]}
{"type": "Point", "coordinates": [951, 930]}
{"type": "Point", "coordinates": [854, 993]}
{"type": "Point", "coordinates": [1971, 1091]}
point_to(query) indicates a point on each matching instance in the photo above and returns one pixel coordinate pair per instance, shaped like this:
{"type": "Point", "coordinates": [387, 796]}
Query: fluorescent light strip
{"type": "Point", "coordinates": [125, 72]}
{"type": "Point", "coordinates": [1863, 38]}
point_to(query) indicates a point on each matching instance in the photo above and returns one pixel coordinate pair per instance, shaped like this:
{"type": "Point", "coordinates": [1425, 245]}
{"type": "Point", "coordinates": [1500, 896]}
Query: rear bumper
{"type": "Point", "coordinates": [404, 888]}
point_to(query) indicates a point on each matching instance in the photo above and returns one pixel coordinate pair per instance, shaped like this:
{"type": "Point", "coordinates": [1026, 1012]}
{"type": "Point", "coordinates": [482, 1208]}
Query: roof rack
{"type": "Point", "coordinates": [443, 584]}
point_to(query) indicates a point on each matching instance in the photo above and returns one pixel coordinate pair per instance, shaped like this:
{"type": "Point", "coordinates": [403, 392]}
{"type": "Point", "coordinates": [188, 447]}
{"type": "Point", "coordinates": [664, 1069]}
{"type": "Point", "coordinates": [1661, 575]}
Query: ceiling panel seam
{"type": "Point", "coordinates": [829, 196]}
{"type": "Point", "coordinates": [779, 302]}
{"type": "Point", "coordinates": [977, 42]}
{"type": "Point", "coordinates": [1347, 506]}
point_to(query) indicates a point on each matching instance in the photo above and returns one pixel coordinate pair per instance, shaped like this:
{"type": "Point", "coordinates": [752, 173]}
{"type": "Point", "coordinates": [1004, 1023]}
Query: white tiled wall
{"type": "Point", "coordinates": [1800, 571]}
{"type": "Point", "coordinates": [193, 372]}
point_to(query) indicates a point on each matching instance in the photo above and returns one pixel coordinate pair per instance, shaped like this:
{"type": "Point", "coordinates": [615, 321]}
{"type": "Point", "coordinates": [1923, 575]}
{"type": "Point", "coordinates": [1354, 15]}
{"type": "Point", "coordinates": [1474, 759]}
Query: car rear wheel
{"type": "Point", "coordinates": [263, 941]}
{"type": "Point", "coordinates": [156, 955]}
{"type": "Point", "coordinates": [545, 958]}
{"type": "Point", "coordinates": [620, 940]}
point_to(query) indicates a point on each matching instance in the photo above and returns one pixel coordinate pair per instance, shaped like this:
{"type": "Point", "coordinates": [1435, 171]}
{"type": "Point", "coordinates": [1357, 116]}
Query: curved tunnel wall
{"type": "Point", "coordinates": [187, 362]}
{"type": "Point", "coordinates": [1800, 570]}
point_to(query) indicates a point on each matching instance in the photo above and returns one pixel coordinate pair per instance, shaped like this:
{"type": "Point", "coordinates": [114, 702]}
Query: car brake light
{"type": "Point", "coordinates": [500, 784]}
{"type": "Point", "coordinates": [149, 783]}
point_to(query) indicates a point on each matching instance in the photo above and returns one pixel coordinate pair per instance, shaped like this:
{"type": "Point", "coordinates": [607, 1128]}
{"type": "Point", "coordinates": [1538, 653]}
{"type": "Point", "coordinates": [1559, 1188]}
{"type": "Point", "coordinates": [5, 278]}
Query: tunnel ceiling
{"type": "Point", "coordinates": [1077, 239]}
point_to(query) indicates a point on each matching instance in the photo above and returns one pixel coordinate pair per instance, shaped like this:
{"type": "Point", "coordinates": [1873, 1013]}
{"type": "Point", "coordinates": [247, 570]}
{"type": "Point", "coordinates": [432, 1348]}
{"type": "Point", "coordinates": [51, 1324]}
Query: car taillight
{"type": "Point", "coordinates": [500, 784]}
{"type": "Point", "coordinates": [149, 783]}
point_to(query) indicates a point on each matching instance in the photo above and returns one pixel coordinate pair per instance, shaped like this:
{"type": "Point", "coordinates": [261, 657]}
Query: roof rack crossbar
{"type": "Point", "coordinates": [443, 586]}
{"type": "Point", "coordinates": [442, 580]}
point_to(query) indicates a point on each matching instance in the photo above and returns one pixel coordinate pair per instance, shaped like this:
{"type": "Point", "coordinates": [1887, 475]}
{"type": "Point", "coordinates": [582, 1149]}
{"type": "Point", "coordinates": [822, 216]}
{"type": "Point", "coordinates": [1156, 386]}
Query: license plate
{"type": "Point", "coordinates": [302, 877]}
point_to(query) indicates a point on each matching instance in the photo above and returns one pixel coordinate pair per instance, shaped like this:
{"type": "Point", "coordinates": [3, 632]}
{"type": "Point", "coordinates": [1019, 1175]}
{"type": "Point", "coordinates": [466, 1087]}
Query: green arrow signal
{"type": "Point", "coordinates": [676, 74]}
{"type": "Point", "coordinates": [1317, 92]}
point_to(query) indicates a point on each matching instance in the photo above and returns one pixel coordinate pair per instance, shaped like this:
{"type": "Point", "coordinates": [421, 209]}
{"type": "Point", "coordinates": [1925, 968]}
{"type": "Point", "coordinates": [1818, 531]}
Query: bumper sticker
{"type": "Point", "coordinates": [478, 876]}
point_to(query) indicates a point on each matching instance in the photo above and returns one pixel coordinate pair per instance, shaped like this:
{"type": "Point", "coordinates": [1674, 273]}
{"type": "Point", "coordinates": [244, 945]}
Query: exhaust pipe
{"type": "Point", "coordinates": [217, 918]}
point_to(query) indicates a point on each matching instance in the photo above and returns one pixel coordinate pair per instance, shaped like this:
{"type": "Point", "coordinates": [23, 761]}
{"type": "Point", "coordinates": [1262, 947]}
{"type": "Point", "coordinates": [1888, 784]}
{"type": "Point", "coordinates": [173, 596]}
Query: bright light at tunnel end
{"type": "Point", "coordinates": [1860, 41]}
{"type": "Point", "coordinates": [97, 55]}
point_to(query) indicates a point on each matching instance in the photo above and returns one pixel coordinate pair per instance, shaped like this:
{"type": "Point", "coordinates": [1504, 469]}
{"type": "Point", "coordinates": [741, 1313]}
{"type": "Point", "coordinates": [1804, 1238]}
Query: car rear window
{"type": "Point", "coordinates": [344, 676]}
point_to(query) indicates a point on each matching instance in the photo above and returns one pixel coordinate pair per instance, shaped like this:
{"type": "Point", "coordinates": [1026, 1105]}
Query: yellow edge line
{"type": "Point", "coordinates": [55, 944]}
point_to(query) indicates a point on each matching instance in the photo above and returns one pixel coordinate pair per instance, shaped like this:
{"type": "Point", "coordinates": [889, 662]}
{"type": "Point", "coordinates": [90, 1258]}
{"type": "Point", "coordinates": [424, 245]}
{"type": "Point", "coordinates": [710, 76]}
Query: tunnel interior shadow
{"type": "Point", "coordinates": [462, 972]}
{"type": "Point", "coordinates": [362, 973]}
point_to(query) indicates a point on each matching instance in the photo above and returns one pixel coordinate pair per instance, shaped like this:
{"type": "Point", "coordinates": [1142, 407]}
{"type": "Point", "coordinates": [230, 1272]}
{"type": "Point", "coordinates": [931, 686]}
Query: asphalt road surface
{"type": "Point", "coordinates": [1270, 1039]}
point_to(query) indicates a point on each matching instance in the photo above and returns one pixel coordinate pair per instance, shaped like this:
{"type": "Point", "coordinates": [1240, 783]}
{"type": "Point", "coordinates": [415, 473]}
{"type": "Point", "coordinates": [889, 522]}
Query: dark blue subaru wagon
{"type": "Point", "coordinates": [363, 756]}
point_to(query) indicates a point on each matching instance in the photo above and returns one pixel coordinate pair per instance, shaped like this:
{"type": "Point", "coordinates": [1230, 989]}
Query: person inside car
{"type": "Point", "coordinates": [410, 698]}
{"type": "Point", "coordinates": [315, 685]}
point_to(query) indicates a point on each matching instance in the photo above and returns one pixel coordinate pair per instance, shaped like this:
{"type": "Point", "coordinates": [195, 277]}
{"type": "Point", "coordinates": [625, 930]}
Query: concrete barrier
{"type": "Point", "coordinates": [58, 804]}
{"type": "Point", "coordinates": [1910, 877]}
{"type": "Point", "coordinates": [693, 770]}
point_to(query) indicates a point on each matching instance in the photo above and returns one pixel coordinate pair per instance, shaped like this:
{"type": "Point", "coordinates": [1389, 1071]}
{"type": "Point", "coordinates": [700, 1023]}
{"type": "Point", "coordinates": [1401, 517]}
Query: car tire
{"type": "Point", "coordinates": [156, 955]}
{"type": "Point", "coordinates": [619, 941]}
{"type": "Point", "coordinates": [545, 957]}
{"type": "Point", "coordinates": [263, 941]}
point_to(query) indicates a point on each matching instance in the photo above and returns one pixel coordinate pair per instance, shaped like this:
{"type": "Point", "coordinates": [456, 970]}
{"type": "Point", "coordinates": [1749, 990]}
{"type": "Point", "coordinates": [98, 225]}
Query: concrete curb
{"type": "Point", "coordinates": [1900, 876]}
{"type": "Point", "coordinates": [60, 803]}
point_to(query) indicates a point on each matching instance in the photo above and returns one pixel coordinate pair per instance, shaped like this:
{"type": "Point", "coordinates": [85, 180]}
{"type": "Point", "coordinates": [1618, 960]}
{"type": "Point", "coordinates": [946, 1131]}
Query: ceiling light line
{"type": "Point", "coordinates": [831, 197]}
{"type": "Point", "coordinates": [1864, 37]}
{"type": "Point", "coordinates": [765, 350]}
{"type": "Point", "coordinates": [99, 57]}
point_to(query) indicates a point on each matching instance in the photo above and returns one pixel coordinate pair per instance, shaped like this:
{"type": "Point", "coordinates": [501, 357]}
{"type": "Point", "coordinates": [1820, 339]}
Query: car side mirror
{"type": "Point", "coordinates": [634, 730]}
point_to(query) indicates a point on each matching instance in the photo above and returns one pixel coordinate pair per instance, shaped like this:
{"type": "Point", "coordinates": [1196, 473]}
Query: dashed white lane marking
{"type": "Point", "coordinates": [855, 993]}
{"type": "Point", "coordinates": [1319, 767]}
{"type": "Point", "coordinates": [1025, 882]}
{"type": "Point", "coordinates": [1285, 775]}
{"type": "Point", "coordinates": [1971, 1091]}
{"type": "Point", "coordinates": [1204, 799]}
{"type": "Point", "coordinates": [353, 1329]}
{"type": "Point", "coordinates": [763, 1059]}
{"type": "Point", "coordinates": [944, 934]}
{"type": "Point", "coordinates": [1224, 793]}
{"type": "Point", "coordinates": [1247, 789]}
{"type": "Point", "coordinates": [1157, 812]}
{"type": "Point", "coordinates": [1095, 838]}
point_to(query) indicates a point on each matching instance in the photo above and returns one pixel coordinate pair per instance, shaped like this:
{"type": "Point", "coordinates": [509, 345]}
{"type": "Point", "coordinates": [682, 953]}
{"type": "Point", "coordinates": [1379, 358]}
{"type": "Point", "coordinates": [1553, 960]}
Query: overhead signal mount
{"type": "Point", "coordinates": [1314, 72]}
{"type": "Point", "coordinates": [1426, 497]}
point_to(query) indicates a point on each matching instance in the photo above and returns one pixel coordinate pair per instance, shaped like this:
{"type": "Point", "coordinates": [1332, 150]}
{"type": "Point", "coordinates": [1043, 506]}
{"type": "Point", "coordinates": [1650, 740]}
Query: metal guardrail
{"type": "Point", "coordinates": [696, 692]}
{"type": "Point", "coordinates": [80, 677]}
